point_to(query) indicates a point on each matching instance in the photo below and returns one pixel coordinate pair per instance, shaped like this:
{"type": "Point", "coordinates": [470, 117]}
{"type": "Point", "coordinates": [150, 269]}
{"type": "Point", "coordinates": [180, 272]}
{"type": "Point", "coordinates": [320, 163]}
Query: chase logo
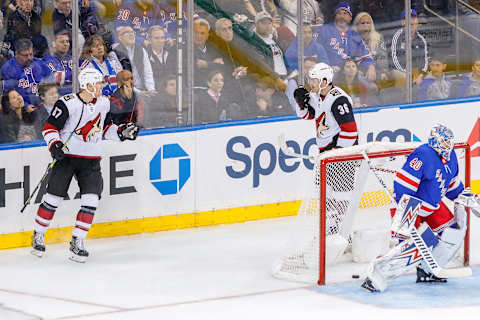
{"type": "Point", "coordinates": [393, 136]}
{"type": "Point", "coordinates": [168, 153]}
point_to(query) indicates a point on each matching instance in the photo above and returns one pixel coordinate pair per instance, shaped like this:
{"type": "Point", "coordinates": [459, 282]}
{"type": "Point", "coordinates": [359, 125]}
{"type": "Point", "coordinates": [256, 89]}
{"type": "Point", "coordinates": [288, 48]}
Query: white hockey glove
{"type": "Point", "coordinates": [469, 200]}
{"type": "Point", "coordinates": [128, 131]}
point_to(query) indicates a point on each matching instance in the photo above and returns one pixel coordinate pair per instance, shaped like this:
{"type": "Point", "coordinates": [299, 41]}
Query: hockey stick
{"type": "Point", "coordinates": [283, 146]}
{"type": "Point", "coordinates": [420, 244]}
{"type": "Point", "coordinates": [45, 175]}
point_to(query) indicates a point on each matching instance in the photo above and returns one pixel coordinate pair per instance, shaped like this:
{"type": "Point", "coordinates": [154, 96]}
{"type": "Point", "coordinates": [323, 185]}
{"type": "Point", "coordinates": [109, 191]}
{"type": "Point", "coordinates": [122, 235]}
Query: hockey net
{"type": "Point", "coordinates": [347, 200]}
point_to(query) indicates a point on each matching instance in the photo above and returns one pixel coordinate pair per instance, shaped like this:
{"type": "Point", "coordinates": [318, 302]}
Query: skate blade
{"type": "Point", "coordinates": [76, 258]}
{"type": "Point", "coordinates": [37, 253]}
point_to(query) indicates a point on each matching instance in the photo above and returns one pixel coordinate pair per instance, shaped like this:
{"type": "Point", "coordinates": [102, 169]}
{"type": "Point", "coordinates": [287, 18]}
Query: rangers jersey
{"type": "Point", "coordinates": [427, 176]}
{"type": "Point", "coordinates": [61, 71]}
{"type": "Point", "coordinates": [85, 122]}
{"type": "Point", "coordinates": [24, 79]}
{"type": "Point", "coordinates": [334, 120]}
{"type": "Point", "coordinates": [341, 46]}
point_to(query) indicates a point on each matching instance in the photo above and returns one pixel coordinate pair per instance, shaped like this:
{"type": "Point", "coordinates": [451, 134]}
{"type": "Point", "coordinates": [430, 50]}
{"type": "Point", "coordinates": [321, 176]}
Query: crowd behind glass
{"type": "Point", "coordinates": [245, 56]}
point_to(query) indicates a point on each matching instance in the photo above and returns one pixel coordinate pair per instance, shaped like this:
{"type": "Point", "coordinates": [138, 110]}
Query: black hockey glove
{"type": "Point", "coordinates": [128, 131]}
{"type": "Point", "coordinates": [302, 96]}
{"type": "Point", "coordinates": [56, 151]}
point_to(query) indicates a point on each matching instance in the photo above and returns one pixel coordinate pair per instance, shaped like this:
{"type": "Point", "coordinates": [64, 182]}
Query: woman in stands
{"type": "Point", "coordinates": [363, 25]}
{"type": "Point", "coordinates": [95, 55]}
{"type": "Point", "coordinates": [216, 103]}
{"type": "Point", "coordinates": [17, 121]}
{"type": "Point", "coordinates": [355, 86]}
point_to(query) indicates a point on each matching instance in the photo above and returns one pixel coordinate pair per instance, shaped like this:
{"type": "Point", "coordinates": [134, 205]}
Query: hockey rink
{"type": "Point", "coordinates": [220, 272]}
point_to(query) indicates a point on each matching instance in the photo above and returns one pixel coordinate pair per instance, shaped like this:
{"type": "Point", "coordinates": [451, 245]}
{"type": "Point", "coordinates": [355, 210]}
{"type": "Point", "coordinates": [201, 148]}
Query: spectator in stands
{"type": "Point", "coordinates": [224, 32]}
{"type": "Point", "coordinates": [311, 13]}
{"type": "Point", "coordinates": [341, 42]}
{"type": "Point", "coordinates": [206, 58]}
{"type": "Point", "coordinates": [135, 59]}
{"type": "Point", "coordinates": [94, 55]}
{"type": "Point", "coordinates": [352, 83]}
{"type": "Point", "coordinates": [17, 120]}
{"type": "Point", "coordinates": [140, 15]}
{"type": "Point", "coordinates": [266, 101]}
{"type": "Point", "coordinates": [163, 61]}
{"type": "Point", "coordinates": [364, 26]}
{"type": "Point", "coordinates": [5, 48]}
{"type": "Point", "coordinates": [163, 112]}
{"type": "Point", "coordinates": [24, 73]}
{"type": "Point", "coordinates": [89, 21]}
{"type": "Point", "coordinates": [60, 63]}
{"type": "Point", "coordinates": [24, 23]}
{"type": "Point", "coordinates": [214, 104]}
{"type": "Point", "coordinates": [311, 49]}
{"type": "Point", "coordinates": [470, 84]}
{"type": "Point", "coordinates": [126, 105]}
{"type": "Point", "coordinates": [264, 30]}
{"type": "Point", "coordinates": [48, 93]}
{"type": "Point", "coordinates": [435, 85]}
{"type": "Point", "coordinates": [398, 52]}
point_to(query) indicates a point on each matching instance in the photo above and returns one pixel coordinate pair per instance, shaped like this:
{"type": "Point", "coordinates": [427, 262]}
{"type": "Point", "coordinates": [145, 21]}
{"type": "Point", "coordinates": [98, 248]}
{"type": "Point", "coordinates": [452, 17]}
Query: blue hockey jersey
{"type": "Point", "coordinates": [24, 79]}
{"type": "Point", "coordinates": [141, 19]}
{"type": "Point", "coordinates": [341, 46]}
{"type": "Point", "coordinates": [61, 72]}
{"type": "Point", "coordinates": [428, 177]}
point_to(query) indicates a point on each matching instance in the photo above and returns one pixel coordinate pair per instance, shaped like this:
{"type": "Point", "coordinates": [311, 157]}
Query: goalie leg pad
{"type": "Point", "coordinates": [399, 259]}
{"type": "Point", "coordinates": [405, 215]}
{"type": "Point", "coordinates": [450, 242]}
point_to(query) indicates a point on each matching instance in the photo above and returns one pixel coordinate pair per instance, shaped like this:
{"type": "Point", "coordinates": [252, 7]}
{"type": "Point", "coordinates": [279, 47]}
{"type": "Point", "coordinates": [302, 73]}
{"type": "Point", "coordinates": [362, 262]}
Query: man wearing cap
{"type": "Point", "coordinates": [398, 54]}
{"type": "Point", "coordinates": [264, 30]}
{"type": "Point", "coordinates": [341, 42]}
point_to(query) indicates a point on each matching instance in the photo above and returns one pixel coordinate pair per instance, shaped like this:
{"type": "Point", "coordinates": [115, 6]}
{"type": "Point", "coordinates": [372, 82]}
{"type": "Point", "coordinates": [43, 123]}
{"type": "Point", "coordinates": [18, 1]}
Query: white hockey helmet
{"type": "Point", "coordinates": [321, 71]}
{"type": "Point", "coordinates": [88, 75]}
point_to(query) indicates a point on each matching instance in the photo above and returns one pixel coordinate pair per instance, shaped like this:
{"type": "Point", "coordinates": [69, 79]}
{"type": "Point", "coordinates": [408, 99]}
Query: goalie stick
{"type": "Point", "coordinates": [419, 243]}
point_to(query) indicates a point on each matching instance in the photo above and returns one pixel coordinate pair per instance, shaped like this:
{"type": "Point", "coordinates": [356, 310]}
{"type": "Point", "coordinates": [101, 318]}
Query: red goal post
{"type": "Point", "coordinates": [355, 155]}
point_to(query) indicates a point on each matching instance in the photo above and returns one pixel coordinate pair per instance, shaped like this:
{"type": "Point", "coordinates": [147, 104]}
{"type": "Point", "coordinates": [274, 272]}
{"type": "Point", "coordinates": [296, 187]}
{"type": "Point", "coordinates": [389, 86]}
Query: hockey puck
{"type": "Point", "coordinates": [355, 276]}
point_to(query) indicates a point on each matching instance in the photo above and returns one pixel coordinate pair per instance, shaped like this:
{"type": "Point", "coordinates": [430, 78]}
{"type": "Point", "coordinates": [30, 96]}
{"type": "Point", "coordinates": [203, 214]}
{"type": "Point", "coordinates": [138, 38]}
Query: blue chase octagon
{"type": "Point", "coordinates": [169, 151]}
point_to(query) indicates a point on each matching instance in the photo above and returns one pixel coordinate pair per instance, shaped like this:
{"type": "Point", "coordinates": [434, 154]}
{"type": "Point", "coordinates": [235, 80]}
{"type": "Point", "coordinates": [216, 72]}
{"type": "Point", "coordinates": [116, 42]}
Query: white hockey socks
{"type": "Point", "coordinates": [84, 220]}
{"type": "Point", "coordinates": [45, 212]}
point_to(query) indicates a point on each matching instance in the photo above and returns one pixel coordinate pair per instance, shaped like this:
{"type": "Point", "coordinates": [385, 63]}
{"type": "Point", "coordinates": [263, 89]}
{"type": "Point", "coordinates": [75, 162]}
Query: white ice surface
{"type": "Point", "coordinates": [218, 272]}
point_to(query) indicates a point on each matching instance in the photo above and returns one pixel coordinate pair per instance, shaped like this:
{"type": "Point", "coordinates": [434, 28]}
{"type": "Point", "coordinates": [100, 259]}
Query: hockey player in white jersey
{"type": "Point", "coordinates": [330, 107]}
{"type": "Point", "coordinates": [73, 132]}
{"type": "Point", "coordinates": [429, 174]}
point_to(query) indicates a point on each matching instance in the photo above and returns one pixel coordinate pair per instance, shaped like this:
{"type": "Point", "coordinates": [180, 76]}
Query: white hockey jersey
{"type": "Point", "coordinates": [85, 122]}
{"type": "Point", "coordinates": [334, 120]}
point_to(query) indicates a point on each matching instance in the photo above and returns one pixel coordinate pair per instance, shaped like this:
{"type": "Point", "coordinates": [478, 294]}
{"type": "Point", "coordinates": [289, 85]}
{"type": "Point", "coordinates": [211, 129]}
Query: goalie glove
{"type": "Point", "coordinates": [469, 200]}
{"type": "Point", "coordinates": [302, 96]}
{"type": "Point", "coordinates": [128, 131]}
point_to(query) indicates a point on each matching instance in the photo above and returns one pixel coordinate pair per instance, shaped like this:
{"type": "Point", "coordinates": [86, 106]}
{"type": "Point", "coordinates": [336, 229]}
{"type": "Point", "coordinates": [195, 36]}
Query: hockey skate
{"type": "Point", "coordinates": [423, 276]}
{"type": "Point", "coordinates": [38, 244]}
{"type": "Point", "coordinates": [368, 285]}
{"type": "Point", "coordinates": [77, 250]}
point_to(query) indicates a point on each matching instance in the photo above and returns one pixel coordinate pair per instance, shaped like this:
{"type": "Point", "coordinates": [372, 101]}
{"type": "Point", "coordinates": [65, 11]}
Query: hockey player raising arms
{"type": "Point", "coordinates": [73, 133]}
{"type": "Point", "coordinates": [330, 107]}
{"type": "Point", "coordinates": [430, 173]}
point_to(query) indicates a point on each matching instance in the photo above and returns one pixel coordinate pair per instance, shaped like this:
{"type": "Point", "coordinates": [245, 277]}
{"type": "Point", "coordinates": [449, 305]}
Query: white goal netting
{"type": "Point", "coordinates": [353, 202]}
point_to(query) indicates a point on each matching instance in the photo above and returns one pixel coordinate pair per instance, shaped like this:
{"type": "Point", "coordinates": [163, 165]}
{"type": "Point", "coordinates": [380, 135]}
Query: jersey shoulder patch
{"type": "Point", "coordinates": [335, 92]}
{"type": "Point", "coordinates": [68, 97]}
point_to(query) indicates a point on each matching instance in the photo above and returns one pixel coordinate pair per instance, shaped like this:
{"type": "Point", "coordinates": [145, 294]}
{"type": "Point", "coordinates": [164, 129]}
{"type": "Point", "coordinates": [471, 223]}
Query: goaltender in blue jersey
{"type": "Point", "coordinates": [430, 173]}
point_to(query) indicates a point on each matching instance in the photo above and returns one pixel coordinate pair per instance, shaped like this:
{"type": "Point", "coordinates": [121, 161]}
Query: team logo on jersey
{"type": "Point", "coordinates": [90, 129]}
{"type": "Point", "coordinates": [321, 126]}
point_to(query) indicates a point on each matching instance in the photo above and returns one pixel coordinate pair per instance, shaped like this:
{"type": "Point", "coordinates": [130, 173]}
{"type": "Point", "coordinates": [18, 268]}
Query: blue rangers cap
{"type": "Point", "coordinates": [344, 6]}
{"type": "Point", "coordinates": [414, 13]}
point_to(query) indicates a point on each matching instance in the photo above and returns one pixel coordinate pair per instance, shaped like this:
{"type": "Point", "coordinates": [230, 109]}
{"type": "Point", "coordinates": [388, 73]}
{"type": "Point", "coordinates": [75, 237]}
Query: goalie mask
{"type": "Point", "coordinates": [321, 71]}
{"type": "Point", "coordinates": [89, 76]}
{"type": "Point", "coordinates": [441, 140]}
